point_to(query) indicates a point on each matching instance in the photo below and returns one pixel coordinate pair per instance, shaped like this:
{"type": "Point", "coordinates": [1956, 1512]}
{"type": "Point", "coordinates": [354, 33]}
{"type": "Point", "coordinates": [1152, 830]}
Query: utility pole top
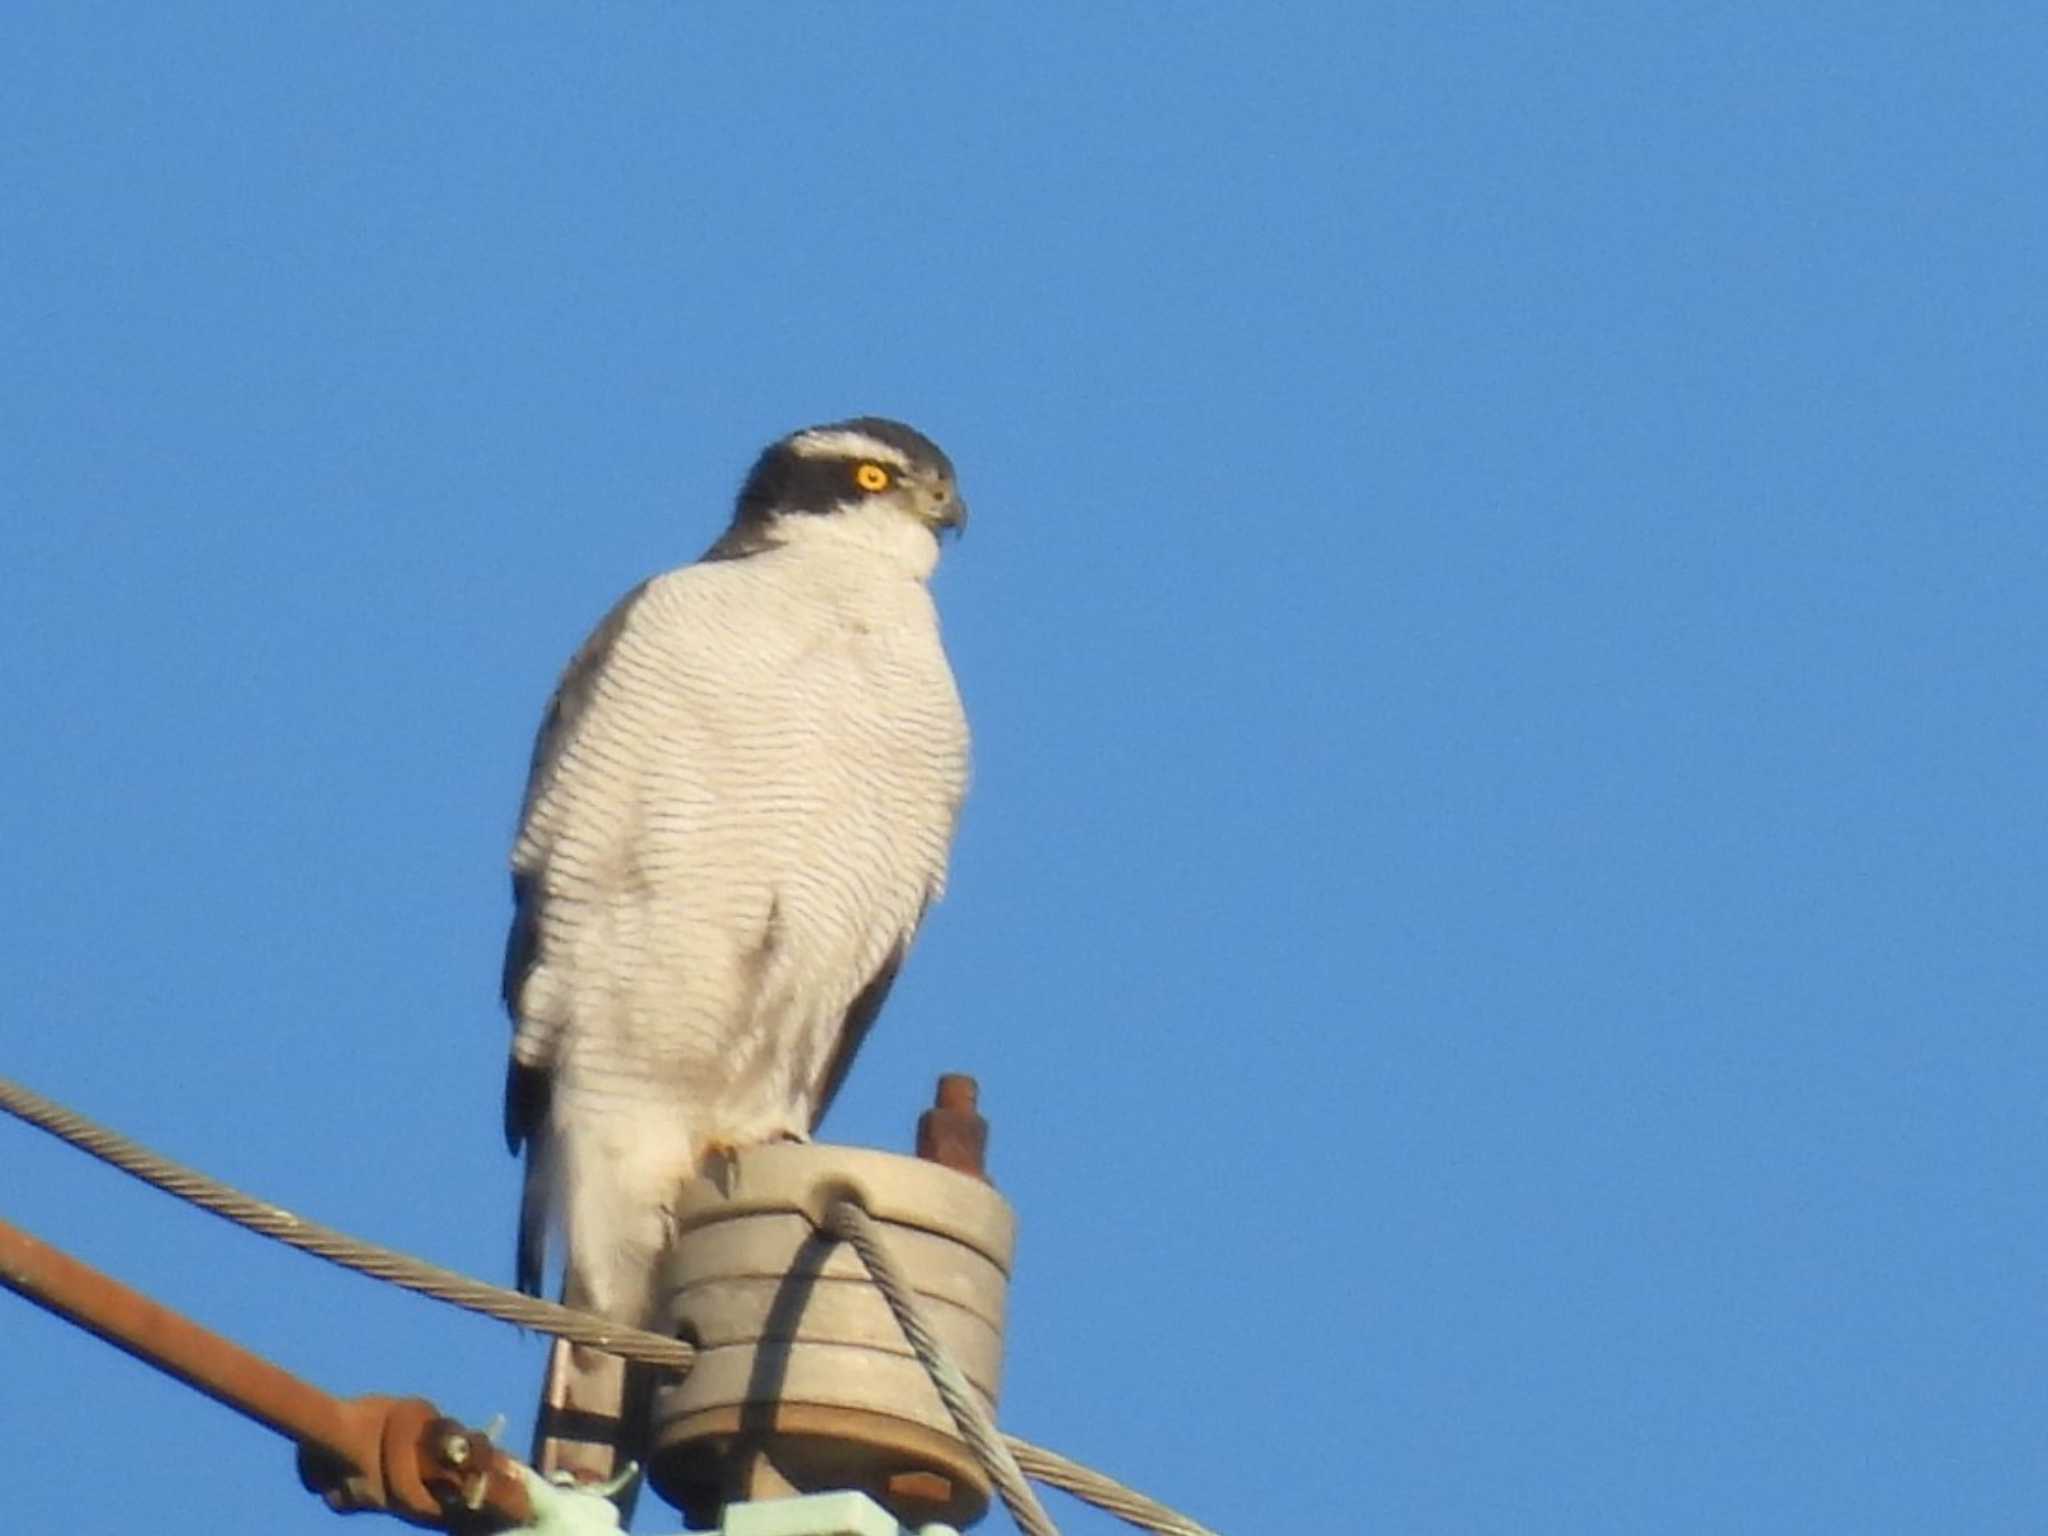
{"type": "Point", "coordinates": [802, 1384]}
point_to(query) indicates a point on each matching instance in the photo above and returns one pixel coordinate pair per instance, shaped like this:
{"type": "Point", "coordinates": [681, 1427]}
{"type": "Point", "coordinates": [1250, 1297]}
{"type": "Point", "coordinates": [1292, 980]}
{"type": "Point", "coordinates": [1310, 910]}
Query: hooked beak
{"type": "Point", "coordinates": [946, 510]}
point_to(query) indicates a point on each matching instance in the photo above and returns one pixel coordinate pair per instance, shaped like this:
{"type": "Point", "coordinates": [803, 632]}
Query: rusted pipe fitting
{"type": "Point", "coordinates": [385, 1453]}
{"type": "Point", "coordinates": [404, 1457]}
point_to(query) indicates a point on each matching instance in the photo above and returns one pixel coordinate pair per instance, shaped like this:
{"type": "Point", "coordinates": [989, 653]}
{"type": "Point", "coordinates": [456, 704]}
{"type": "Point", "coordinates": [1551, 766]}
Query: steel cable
{"type": "Point", "coordinates": [387, 1264]}
{"type": "Point", "coordinates": [460, 1290]}
{"type": "Point", "coordinates": [848, 1221]}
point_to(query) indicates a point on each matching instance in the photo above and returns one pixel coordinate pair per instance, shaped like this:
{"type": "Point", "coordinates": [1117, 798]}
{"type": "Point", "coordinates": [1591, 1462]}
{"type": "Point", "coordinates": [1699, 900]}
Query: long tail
{"type": "Point", "coordinates": [594, 1418]}
{"type": "Point", "coordinates": [611, 1178]}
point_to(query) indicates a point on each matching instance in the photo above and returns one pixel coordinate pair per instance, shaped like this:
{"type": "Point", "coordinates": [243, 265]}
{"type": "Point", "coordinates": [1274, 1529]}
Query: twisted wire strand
{"type": "Point", "coordinates": [850, 1223]}
{"type": "Point", "coordinates": [459, 1290]}
{"type": "Point", "coordinates": [1104, 1492]}
{"type": "Point", "coordinates": [386, 1264]}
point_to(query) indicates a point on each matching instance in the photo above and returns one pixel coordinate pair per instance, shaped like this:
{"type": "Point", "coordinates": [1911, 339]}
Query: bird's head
{"type": "Point", "coordinates": [870, 468]}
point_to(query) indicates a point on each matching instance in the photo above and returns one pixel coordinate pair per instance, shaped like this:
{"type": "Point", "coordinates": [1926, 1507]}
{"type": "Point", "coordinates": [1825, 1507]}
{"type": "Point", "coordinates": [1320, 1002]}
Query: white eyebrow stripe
{"type": "Point", "coordinates": [847, 445]}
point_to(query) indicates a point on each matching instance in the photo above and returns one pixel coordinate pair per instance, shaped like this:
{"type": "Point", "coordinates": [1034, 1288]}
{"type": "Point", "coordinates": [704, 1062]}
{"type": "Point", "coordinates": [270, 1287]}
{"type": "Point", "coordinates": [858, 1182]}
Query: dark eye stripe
{"type": "Point", "coordinates": [785, 481]}
{"type": "Point", "coordinates": [788, 482]}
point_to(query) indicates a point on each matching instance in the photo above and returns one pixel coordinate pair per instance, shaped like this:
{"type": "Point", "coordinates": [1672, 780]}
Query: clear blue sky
{"type": "Point", "coordinates": [1500, 916]}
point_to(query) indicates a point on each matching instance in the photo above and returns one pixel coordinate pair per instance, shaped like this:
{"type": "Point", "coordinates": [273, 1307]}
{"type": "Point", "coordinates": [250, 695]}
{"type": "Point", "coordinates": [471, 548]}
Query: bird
{"type": "Point", "coordinates": [740, 806]}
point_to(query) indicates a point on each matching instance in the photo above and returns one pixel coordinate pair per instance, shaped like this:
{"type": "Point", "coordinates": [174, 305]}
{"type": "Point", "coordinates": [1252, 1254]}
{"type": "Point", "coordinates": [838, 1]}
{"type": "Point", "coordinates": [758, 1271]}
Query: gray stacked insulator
{"type": "Point", "coordinates": [804, 1381]}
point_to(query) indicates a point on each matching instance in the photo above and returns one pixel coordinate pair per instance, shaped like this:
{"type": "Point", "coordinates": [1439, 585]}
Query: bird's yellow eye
{"type": "Point", "coordinates": [870, 476]}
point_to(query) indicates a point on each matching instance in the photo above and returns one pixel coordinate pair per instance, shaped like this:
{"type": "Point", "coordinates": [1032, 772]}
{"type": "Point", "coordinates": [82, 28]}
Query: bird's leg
{"type": "Point", "coordinates": [718, 1157]}
{"type": "Point", "coordinates": [718, 1161]}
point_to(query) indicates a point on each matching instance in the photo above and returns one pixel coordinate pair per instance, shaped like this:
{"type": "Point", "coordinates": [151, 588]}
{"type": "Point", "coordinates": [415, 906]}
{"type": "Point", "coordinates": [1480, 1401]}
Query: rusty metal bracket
{"type": "Point", "coordinates": [397, 1455]}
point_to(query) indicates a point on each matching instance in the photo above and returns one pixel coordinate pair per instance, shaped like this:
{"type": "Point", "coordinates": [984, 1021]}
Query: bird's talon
{"type": "Point", "coordinates": [619, 1481]}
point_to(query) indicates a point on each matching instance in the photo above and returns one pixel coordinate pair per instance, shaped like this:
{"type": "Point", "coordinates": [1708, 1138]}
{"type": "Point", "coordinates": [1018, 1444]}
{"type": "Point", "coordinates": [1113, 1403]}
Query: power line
{"type": "Point", "coordinates": [1101, 1490]}
{"type": "Point", "coordinates": [851, 1224]}
{"type": "Point", "coordinates": [460, 1290]}
{"type": "Point", "coordinates": [387, 1264]}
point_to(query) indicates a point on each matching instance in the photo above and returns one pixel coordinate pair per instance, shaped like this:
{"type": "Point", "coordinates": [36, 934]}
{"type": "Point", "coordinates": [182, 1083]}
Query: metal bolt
{"type": "Point", "coordinates": [958, 1091]}
{"type": "Point", "coordinates": [952, 1132]}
